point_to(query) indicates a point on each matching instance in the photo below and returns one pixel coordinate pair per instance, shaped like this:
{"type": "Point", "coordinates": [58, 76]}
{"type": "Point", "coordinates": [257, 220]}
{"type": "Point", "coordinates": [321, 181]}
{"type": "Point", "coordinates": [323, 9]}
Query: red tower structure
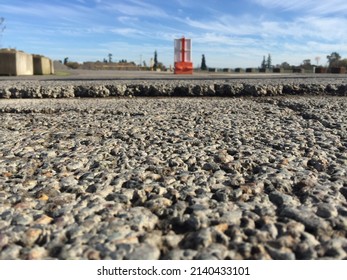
{"type": "Point", "coordinates": [183, 56]}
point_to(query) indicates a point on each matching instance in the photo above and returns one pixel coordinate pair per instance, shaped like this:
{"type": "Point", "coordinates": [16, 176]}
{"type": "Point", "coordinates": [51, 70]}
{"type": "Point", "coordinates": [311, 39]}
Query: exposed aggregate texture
{"type": "Point", "coordinates": [168, 87]}
{"type": "Point", "coordinates": [173, 178]}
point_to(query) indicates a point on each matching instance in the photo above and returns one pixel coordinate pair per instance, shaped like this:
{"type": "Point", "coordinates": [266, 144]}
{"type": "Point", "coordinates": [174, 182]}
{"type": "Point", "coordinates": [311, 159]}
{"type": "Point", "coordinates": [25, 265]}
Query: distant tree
{"type": "Point", "coordinates": [285, 65]}
{"type": "Point", "coordinates": [66, 60]}
{"type": "Point", "coordinates": [2, 27]}
{"type": "Point", "coordinates": [343, 63]}
{"type": "Point", "coordinates": [109, 57]}
{"type": "Point", "coordinates": [333, 59]}
{"type": "Point", "coordinates": [105, 60]}
{"type": "Point", "coordinates": [263, 63]}
{"type": "Point", "coordinates": [203, 63]}
{"type": "Point", "coordinates": [73, 65]}
{"type": "Point", "coordinates": [155, 64]}
{"type": "Point", "coordinates": [161, 66]}
{"type": "Point", "coordinates": [306, 64]}
{"type": "Point", "coordinates": [269, 62]}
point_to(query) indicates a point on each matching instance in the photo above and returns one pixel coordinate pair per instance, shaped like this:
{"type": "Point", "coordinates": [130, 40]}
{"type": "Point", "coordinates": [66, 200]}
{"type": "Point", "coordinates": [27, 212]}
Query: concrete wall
{"type": "Point", "coordinates": [14, 63]}
{"type": "Point", "coordinates": [42, 65]}
{"type": "Point", "coordinates": [24, 63]}
{"type": "Point", "coordinates": [52, 66]}
{"type": "Point", "coordinates": [7, 62]}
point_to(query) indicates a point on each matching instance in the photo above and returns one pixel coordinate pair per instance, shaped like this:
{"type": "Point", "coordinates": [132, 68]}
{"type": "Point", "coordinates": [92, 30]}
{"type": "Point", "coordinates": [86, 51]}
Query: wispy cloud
{"type": "Point", "coordinates": [129, 32]}
{"type": "Point", "coordinates": [225, 24]}
{"type": "Point", "coordinates": [296, 28]}
{"type": "Point", "coordinates": [317, 7]}
{"type": "Point", "coordinates": [134, 8]}
{"type": "Point", "coordinates": [240, 31]}
{"type": "Point", "coordinates": [51, 11]}
{"type": "Point", "coordinates": [186, 3]}
{"type": "Point", "coordinates": [128, 20]}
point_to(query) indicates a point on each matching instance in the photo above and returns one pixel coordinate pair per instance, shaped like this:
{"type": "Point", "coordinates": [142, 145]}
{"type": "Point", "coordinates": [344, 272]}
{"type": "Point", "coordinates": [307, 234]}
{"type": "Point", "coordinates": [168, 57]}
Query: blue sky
{"type": "Point", "coordinates": [231, 33]}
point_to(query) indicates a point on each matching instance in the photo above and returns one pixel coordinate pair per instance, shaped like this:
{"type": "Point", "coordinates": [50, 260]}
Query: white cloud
{"type": "Point", "coordinates": [186, 3]}
{"type": "Point", "coordinates": [222, 24]}
{"type": "Point", "coordinates": [316, 7]}
{"type": "Point", "coordinates": [135, 52]}
{"type": "Point", "coordinates": [135, 8]}
{"type": "Point", "coordinates": [303, 27]}
{"type": "Point", "coordinates": [290, 30]}
{"type": "Point", "coordinates": [129, 32]}
{"type": "Point", "coordinates": [250, 36]}
{"type": "Point", "coordinates": [128, 20]}
{"type": "Point", "coordinates": [48, 11]}
{"type": "Point", "coordinates": [224, 40]}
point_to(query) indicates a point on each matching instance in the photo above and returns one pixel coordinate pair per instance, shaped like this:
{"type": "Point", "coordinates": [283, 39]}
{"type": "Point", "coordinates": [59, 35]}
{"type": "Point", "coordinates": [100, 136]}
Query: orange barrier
{"type": "Point", "coordinates": [183, 56]}
{"type": "Point", "coordinates": [183, 68]}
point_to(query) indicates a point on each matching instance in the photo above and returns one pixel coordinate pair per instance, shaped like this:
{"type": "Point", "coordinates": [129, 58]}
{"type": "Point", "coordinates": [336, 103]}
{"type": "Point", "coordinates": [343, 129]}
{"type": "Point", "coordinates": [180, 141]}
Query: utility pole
{"type": "Point", "coordinates": [317, 60]}
{"type": "Point", "coordinates": [110, 57]}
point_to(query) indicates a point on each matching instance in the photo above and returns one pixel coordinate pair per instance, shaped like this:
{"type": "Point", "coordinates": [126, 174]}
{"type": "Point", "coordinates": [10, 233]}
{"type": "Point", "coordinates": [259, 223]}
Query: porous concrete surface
{"type": "Point", "coordinates": [173, 178]}
{"type": "Point", "coordinates": [94, 84]}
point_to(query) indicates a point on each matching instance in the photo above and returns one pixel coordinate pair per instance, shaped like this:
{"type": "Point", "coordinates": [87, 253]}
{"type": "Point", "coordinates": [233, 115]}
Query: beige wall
{"type": "Point", "coordinates": [42, 65]}
{"type": "Point", "coordinates": [15, 63]}
{"type": "Point", "coordinates": [7, 63]}
{"type": "Point", "coordinates": [24, 64]}
{"type": "Point", "coordinates": [52, 66]}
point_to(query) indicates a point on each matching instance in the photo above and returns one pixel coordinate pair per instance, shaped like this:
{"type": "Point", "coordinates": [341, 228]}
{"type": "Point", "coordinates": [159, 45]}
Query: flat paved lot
{"type": "Point", "coordinates": [148, 75]}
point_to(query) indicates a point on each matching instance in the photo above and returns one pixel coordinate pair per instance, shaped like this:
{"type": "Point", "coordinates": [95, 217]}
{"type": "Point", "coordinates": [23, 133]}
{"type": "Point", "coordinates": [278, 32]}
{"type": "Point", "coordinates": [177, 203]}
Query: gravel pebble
{"type": "Point", "coordinates": [173, 178]}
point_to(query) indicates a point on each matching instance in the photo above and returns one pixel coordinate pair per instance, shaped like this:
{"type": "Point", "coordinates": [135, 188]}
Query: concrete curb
{"type": "Point", "coordinates": [165, 89]}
